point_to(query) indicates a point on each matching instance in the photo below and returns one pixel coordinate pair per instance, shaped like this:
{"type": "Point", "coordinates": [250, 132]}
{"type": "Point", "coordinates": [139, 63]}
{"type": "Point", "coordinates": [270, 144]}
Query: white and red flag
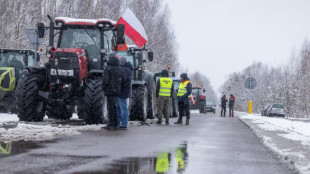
{"type": "Point", "coordinates": [133, 28]}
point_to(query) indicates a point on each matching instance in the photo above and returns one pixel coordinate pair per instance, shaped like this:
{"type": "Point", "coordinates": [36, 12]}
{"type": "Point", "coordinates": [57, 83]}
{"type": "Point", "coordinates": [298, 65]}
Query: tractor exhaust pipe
{"type": "Point", "coordinates": [51, 38]}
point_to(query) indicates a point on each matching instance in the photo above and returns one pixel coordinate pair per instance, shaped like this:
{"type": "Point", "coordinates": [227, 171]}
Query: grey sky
{"type": "Point", "coordinates": [218, 37]}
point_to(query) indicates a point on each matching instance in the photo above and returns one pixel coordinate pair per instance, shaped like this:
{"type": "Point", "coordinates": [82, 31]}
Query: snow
{"type": "Point", "coordinates": [296, 130]}
{"type": "Point", "coordinates": [94, 21]}
{"type": "Point", "coordinates": [295, 149]}
{"type": "Point", "coordinates": [38, 131]}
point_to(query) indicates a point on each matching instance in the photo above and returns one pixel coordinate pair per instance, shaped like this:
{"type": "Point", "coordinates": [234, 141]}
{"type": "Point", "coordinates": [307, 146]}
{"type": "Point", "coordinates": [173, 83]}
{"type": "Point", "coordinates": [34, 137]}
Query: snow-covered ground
{"type": "Point", "coordinates": [12, 130]}
{"type": "Point", "coordinates": [290, 139]}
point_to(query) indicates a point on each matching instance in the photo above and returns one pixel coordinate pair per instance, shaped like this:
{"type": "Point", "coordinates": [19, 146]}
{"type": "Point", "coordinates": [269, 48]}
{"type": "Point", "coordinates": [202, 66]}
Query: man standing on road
{"type": "Point", "coordinates": [184, 94]}
{"type": "Point", "coordinates": [113, 79]}
{"type": "Point", "coordinates": [223, 104]}
{"type": "Point", "coordinates": [121, 104]}
{"type": "Point", "coordinates": [231, 104]}
{"type": "Point", "coordinates": [164, 91]}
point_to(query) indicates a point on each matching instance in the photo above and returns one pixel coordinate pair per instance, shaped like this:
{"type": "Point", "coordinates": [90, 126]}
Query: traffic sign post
{"type": "Point", "coordinates": [250, 83]}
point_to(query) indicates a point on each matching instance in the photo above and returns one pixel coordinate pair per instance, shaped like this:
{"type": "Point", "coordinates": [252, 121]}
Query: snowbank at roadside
{"type": "Point", "coordinates": [290, 139]}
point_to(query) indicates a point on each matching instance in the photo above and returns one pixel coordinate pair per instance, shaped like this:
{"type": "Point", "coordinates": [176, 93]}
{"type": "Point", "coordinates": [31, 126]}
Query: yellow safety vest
{"type": "Point", "coordinates": [179, 158]}
{"type": "Point", "coordinates": [165, 86]}
{"type": "Point", "coordinates": [162, 163]}
{"type": "Point", "coordinates": [182, 89]}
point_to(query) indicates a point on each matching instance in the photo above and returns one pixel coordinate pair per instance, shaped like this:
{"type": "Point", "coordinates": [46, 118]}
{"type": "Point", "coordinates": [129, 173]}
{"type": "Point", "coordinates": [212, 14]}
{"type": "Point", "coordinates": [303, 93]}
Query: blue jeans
{"type": "Point", "coordinates": [122, 112]}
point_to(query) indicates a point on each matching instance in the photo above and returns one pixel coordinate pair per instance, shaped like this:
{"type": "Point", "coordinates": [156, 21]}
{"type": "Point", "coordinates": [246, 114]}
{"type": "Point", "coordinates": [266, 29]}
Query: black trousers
{"type": "Point", "coordinates": [112, 112]}
{"type": "Point", "coordinates": [223, 110]}
{"type": "Point", "coordinates": [231, 110]}
{"type": "Point", "coordinates": [183, 109]}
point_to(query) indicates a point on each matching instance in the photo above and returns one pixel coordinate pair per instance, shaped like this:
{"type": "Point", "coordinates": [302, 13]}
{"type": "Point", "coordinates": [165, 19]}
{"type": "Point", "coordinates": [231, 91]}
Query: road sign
{"type": "Point", "coordinates": [250, 83]}
{"type": "Point", "coordinates": [34, 38]}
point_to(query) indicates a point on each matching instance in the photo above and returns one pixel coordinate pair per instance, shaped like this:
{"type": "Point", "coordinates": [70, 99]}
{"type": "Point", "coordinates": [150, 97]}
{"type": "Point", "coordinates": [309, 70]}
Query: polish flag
{"type": "Point", "coordinates": [133, 28]}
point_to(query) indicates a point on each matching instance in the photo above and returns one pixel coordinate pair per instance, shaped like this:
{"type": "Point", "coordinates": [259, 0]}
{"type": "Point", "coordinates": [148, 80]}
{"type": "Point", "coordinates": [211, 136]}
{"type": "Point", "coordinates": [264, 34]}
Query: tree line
{"type": "Point", "coordinates": [18, 15]}
{"type": "Point", "coordinates": [287, 84]}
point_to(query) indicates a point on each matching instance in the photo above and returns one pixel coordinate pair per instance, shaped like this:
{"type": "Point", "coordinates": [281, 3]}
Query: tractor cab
{"type": "Point", "coordinates": [136, 56]}
{"type": "Point", "coordinates": [12, 64]}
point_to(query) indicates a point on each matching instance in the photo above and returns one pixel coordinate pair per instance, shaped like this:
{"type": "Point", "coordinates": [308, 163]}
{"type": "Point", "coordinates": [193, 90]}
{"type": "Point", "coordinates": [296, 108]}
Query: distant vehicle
{"type": "Point", "coordinates": [275, 109]}
{"type": "Point", "coordinates": [210, 107]}
{"type": "Point", "coordinates": [264, 110]}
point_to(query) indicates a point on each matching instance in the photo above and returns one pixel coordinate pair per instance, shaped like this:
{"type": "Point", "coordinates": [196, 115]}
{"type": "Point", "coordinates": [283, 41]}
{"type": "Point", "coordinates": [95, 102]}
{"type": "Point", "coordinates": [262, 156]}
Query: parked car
{"type": "Point", "coordinates": [275, 109]}
{"type": "Point", "coordinates": [264, 110]}
{"type": "Point", "coordinates": [210, 107]}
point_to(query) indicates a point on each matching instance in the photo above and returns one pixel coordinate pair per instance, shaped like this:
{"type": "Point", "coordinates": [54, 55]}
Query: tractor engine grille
{"type": "Point", "coordinates": [68, 67]}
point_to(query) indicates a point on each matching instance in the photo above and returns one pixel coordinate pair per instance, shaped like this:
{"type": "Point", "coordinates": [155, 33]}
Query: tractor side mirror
{"type": "Point", "coordinates": [41, 29]}
{"type": "Point", "coordinates": [203, 90]}
{"type": "Point", "coordinates": [173, 74]}
{"type": "Point", "coordinates": [150, 56]}
{"type": "Point", "coordinates": [120, 30]}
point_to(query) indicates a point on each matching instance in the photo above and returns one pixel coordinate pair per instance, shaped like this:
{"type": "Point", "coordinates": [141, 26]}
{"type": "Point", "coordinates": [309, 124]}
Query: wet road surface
{"type": "Point", "coordinates": [210, 144]}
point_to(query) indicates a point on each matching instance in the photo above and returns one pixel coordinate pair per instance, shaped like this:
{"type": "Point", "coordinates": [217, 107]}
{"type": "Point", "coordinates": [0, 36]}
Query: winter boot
{"type": "Point", "coordinates": [187, 121]}
{"type": "Point", "coordinates": [178, 122]}
{"type": "Point", "coordinates": [232, 115]}
{"type": "Point", "coordinates": [158, 122]}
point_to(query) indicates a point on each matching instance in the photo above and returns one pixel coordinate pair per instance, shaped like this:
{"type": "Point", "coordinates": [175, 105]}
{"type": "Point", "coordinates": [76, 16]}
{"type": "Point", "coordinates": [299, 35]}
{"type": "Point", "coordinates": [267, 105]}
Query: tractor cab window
{"type": "Point", "coordinates": [3, 60]}
{"type": "Point", "coordinates": [16, 60]}
{"type": "Point", "coordinates": [31, 61]}
{"type": "Point", "coordinates": [195, 91]}
{"type": "Point", "coordinates": [126, 54]}
{"type": "Point", "coordinates": [86, 38]}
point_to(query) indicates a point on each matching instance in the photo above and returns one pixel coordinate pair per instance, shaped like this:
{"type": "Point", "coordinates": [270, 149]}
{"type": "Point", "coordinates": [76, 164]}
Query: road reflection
{"type": "Point", "coordinates": [16, 147]}
{"type": "Point", "coordinates": [163, 163]}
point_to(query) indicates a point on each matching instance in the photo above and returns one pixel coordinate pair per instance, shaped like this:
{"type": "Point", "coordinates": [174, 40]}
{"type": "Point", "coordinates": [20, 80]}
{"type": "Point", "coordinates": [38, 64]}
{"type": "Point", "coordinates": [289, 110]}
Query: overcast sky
{"type": "Point", "coordinates": [219, 37]}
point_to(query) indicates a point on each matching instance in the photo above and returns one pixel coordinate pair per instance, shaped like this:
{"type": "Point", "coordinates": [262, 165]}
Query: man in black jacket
{"type": "Point", "coordinates": [113, 80]}
{"type": "Point", "coordinates": [223, 103]}
{"type": "Point", "coordinates": [122, 109]}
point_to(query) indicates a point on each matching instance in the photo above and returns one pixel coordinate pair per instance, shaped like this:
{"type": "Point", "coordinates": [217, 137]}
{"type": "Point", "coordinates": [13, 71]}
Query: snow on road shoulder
{"type": "Point", "coordinates": [38, 131]}
{"type": "Point", "coordinates": [296, 130]}
{"type": "Point", "coordinates": [289, 139]}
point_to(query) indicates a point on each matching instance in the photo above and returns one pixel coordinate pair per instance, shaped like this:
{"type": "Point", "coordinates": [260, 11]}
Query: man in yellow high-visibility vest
{"type": "Point", "coordinates": [184, 94]}
{"type": "Point", "coordinates": [164, 90]}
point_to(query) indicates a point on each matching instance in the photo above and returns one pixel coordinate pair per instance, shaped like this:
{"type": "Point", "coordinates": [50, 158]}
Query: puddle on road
{"type": "Point", "coordinates": [163, 163]}
{"type": "Point", "coordinates": [17, 147]}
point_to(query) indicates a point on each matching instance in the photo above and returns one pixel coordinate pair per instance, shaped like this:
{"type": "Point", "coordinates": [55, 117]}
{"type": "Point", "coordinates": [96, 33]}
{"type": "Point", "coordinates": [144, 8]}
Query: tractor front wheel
{"type": "Point", "coordinates": [91, 105]}
{"type": "Point", "coordinates": [29, 107]}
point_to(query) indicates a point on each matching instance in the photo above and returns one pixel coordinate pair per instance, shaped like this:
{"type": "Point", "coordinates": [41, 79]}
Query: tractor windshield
{"type": "Point", "coordinates": [86, 38]}
{"type": "Point", "coordinates": [12, 59]}
{"type": "Point", "coordinates": [126, 54]}
{"type": "Point", "coordinates": [195, 91]}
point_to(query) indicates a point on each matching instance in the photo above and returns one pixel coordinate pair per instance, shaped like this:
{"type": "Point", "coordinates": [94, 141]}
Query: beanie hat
{"type": "Point", "coordinates": [122, 60]}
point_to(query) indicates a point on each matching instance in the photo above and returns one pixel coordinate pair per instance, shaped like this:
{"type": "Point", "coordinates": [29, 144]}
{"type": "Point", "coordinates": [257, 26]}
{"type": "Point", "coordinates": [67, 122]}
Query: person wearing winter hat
{"type": "Point", "coordinates": [113, 80]}
{"type": "Point", "coordinates": [122, 100]}
{"type": "Point", "coordinates": [231, 104]}
{"type": "Point", "coordinates": [164, 91]}
{"type": "Point", "coordinates": [184, 94]}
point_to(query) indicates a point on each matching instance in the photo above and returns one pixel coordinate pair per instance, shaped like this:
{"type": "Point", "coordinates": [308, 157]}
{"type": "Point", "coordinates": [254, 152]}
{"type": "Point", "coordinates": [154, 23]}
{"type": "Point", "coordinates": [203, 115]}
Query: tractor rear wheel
{"type": "Point", "coordinates": [29, 106]}
{"type": "Point", "coordinates": [91, 106]}
{"type": "Point", "coordinates": [139, 103]}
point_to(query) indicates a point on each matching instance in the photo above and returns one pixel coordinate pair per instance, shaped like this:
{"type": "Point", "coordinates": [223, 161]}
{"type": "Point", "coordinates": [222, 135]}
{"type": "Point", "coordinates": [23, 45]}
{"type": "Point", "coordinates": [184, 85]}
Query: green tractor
{"type": "Point", "coordinates": [142, 103]}
{"type": "Point", "coordinates": [12, 65]}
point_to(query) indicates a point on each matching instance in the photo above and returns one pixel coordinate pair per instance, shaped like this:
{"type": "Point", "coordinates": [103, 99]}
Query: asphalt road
{"type": "Point", "coordinates": [210, 144]}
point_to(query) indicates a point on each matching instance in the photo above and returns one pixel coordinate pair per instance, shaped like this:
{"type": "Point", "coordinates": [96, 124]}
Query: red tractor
{"type": "Point", "coordinates": [198, 100]}
{"type": "Point", "coordinates": [73, 74]}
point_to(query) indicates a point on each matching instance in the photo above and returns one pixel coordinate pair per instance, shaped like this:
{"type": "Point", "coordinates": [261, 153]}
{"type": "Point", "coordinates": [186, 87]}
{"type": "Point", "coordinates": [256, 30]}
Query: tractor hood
{"type": "Point", "coordinates": [7, 78]}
